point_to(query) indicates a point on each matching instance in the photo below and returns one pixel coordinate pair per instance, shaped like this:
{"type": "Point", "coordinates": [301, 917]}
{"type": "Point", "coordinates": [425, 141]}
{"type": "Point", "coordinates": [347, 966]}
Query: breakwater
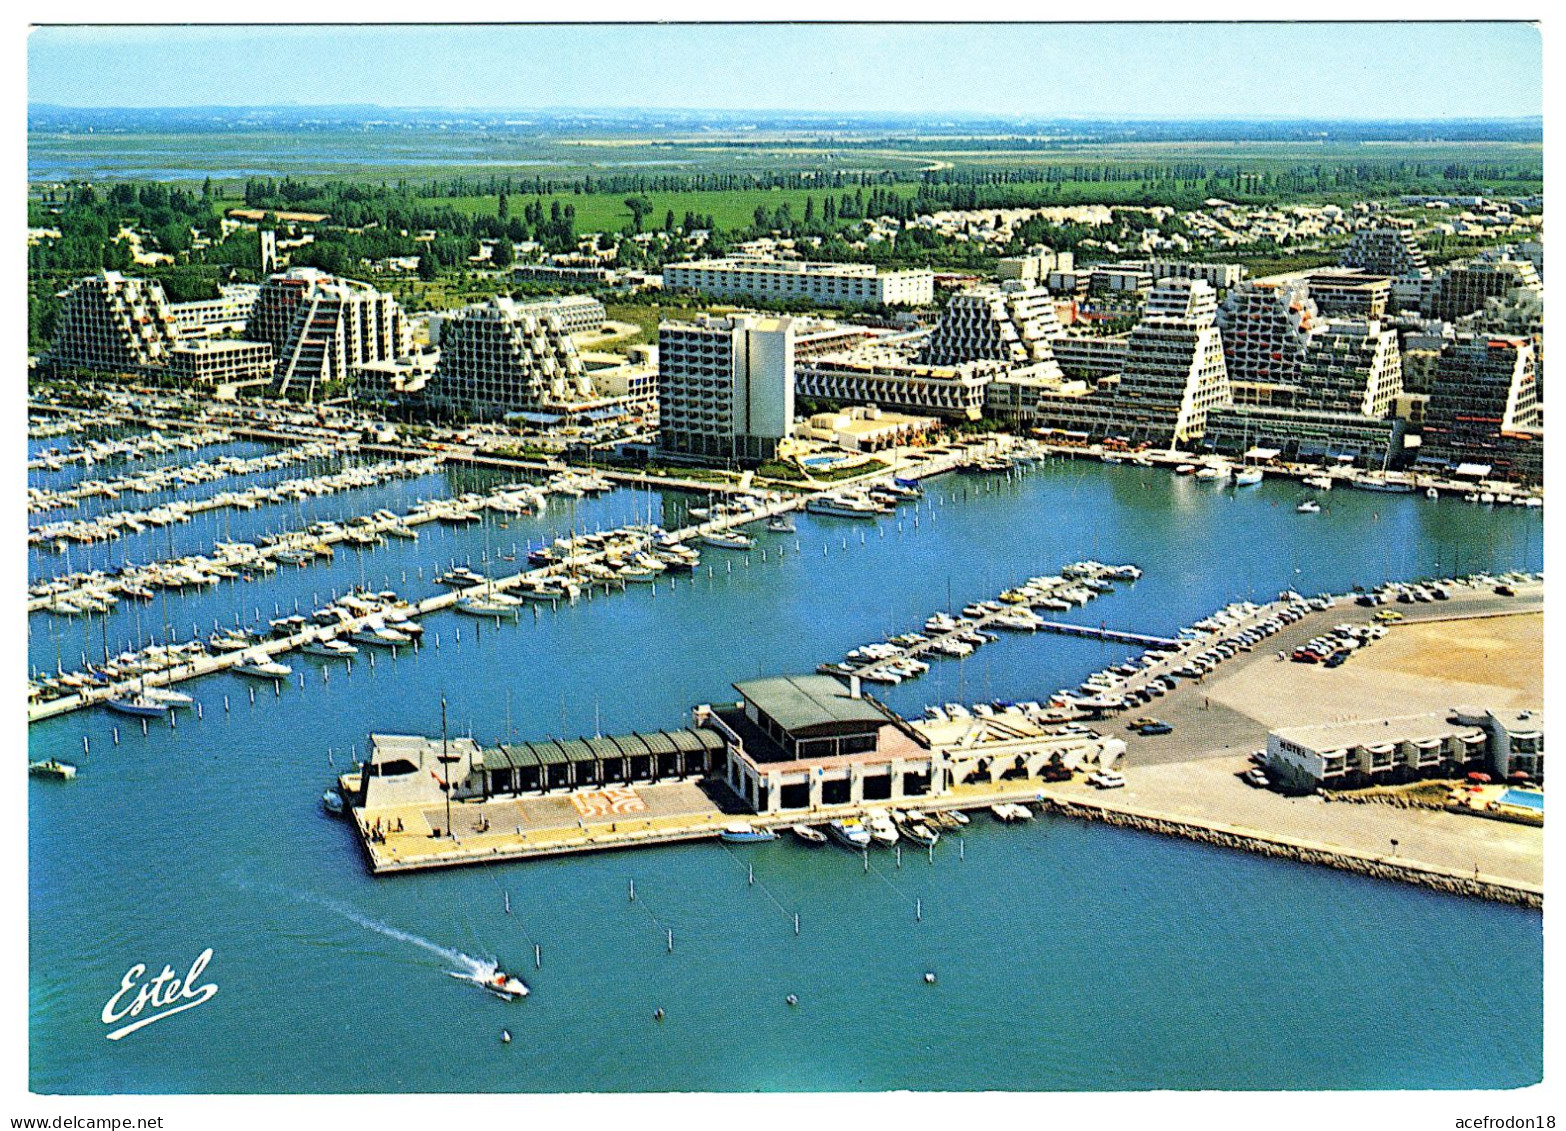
{"type": "Point", "coordinates": [1304, 852]}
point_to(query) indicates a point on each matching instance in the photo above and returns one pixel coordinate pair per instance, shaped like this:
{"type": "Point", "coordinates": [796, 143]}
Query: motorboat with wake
{"type": "Point", "coordinates": [507, 987]}
{"type": "Point", "coordinates": [52, 768]}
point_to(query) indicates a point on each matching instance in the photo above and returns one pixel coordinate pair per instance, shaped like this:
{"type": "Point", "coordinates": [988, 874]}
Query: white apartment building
{"type": "Point", "coordinates": [725, 387]}
{"type": "Point", "coordinates": [501, 356]}
{"type": "Point", "coordinates": [113, 323]}
{"type": "Point", "coordinates": [578, 314]}
{"type": "Point", "coordinates": [1219, 276]}
{"type": "Point", "coordinates": [337, 327]}
{"type": "Point", "coordinates": [209, 317]}
{"type": "Point", "coordinates": [206, 363]}
{"type": "Point", "coordinates": [322, 328]}
{"type": "Point", "coordinates": [1033, 268]}
{"type": "Point", "coordinates": [837, 284]}
{"type": "Point", "coordinates": [1350, 367]}
{"type": "Point", "coordinates": [1265, 329]}
{"type": "Point", "coordinates": [1174, 369]}
{"type": "Point", "coordinates": [887, 378]}
{"type": "Point", "coordinates": [1007, 323]}
{"type": "Point", "coordinates": [1394, 252]}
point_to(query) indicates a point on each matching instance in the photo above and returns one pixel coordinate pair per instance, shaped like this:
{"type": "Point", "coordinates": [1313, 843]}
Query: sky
{"type": "Point", "coordinates": [1319, 71]}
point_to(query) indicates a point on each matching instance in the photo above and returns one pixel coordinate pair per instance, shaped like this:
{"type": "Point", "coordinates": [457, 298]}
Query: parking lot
{"type": "Point", "coordinates": [1477, 647]}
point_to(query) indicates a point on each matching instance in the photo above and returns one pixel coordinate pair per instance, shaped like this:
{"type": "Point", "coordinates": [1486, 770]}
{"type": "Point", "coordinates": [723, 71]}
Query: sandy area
{"type": "Point", "coordinates": [1416, 668]}
{"type": "Point", "coordinates": [1500, 652]}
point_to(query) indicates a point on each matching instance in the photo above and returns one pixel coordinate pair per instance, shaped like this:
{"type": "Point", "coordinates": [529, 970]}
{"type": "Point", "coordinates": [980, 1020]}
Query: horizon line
{"type": "Point", "coordinates": [799, 112]}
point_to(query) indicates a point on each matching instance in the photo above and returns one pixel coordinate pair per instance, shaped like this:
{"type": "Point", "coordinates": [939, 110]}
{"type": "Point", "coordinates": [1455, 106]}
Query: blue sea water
{"type": "Point", "coordinates": [1069, 956]}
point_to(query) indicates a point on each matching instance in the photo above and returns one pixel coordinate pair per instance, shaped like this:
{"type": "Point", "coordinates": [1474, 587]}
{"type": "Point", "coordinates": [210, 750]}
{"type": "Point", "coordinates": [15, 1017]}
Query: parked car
{"type": "Point", "coordinates": [1154, 728]}
{"type": "Point", "coordinates": [1107, 779]}
{"type": "Point", "coordinates": [1255, 777]}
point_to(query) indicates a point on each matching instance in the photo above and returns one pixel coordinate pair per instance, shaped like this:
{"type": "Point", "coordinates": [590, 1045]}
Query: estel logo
{"type": "Point", "coordinates": [165, 994]}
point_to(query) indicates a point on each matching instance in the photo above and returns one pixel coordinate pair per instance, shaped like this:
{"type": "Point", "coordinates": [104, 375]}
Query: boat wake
{"type": "Point", "coordinates": [464, 965]}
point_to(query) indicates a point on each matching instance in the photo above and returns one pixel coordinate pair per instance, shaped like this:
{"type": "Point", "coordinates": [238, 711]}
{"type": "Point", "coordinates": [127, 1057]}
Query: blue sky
{"type": "Point", "coordinates": [1172, 71]}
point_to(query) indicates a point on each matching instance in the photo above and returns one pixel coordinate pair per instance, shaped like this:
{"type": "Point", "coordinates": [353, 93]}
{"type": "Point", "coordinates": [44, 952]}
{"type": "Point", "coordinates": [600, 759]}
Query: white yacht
{"type": "Point", "coordinates": [381, 634]}
{"type": "Point", "coordinates": [263, 666]}
{"type": "Point", "coordinates": [330, 648]}
{"type": "Point", "coordinates": [849, 832]}
{"type": "Point", "coordinates": [728, 539]}
{"type": "Point", "coordinates": [168, 697]}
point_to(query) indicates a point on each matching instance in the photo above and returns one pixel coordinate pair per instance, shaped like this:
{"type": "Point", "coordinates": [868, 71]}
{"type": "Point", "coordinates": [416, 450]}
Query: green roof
{"type": "Point", "coordinates": [553, 752]}
{"type": "Point", "coordinates": [654, 742]}
{"type": "Point", "coordinates": [807, 702]}
{"type": "Point", "coordinates": [696, 738]}
{"type": "Point", "coordinates": [604, 748]}
{"type": "Point", "coordinates": [548, 752]}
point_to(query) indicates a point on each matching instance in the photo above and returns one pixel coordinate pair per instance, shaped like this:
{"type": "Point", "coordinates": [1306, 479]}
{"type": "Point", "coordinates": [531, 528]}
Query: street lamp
{"type": "Point", "coordinates": [446, 759]}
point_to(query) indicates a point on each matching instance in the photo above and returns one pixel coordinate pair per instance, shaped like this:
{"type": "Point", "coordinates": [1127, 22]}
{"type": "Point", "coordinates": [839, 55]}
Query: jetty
{"type": "Point", "coordinates": [1114, 635]}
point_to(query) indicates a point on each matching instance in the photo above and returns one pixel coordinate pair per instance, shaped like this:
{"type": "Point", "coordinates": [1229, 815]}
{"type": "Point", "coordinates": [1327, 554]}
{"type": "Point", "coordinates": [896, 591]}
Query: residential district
{"type": "Point", "coordinates": [838, 388]}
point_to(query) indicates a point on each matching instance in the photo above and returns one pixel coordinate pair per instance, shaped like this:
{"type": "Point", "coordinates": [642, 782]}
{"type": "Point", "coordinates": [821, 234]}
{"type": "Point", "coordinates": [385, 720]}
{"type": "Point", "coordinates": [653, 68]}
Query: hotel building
{"type": "Point", "coordinates": [835, 284]}
{"type": "Point", "coordinates": [725, 387]}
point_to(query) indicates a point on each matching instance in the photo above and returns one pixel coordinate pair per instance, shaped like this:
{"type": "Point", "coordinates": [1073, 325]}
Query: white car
{"type": "Point", "coordinates": [1107, 779]}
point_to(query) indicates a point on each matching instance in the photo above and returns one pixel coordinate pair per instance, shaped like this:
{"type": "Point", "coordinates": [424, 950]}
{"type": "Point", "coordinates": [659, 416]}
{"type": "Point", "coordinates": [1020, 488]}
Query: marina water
{"type": "Point", "coordinates": [1069, 956]}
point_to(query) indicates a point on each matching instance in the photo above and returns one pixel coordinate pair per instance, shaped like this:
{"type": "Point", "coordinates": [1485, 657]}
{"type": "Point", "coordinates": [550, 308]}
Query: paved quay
{"type": "Point", "coordinates": [1187, 783]}
{"type": "Point", "coordinates": [1211, 795]}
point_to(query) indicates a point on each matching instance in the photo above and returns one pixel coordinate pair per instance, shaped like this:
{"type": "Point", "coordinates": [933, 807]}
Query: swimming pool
{"type": "Point", "coordinates": [822, 461]}
{"type": "Point", "coordinates": [1524, 798]}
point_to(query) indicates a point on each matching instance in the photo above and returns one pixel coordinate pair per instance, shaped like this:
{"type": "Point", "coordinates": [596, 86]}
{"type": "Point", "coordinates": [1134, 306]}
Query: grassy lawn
{"type": "Point", "coordinates": [834, 474]}
{"type": "Point", "coordinates": [778, 469]}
